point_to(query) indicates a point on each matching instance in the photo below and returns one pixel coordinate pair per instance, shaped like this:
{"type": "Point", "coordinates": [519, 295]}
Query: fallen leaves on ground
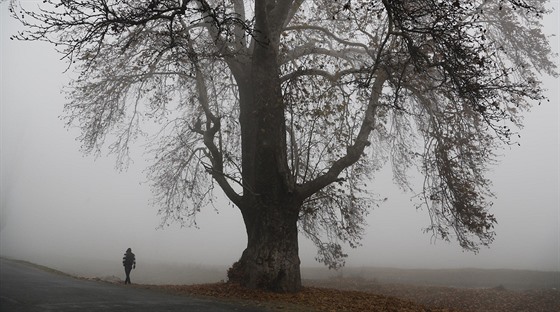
{"type": "Point", "coordinates": [498, 299]}
{"type": "Point", "coordinates": [348, 295]}
{"type": "Point", "coordinates": [309, 299]}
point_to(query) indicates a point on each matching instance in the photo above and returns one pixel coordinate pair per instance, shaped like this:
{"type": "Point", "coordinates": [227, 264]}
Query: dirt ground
{"type": "Point", "coordinates": [354, 294]}
{"type": "Point", "coordinates": [462, 299]}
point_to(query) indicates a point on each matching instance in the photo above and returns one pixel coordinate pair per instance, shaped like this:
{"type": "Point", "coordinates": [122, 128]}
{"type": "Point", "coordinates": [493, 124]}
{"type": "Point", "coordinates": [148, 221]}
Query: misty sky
{"type": "Point", "coordinates": [58, 203]}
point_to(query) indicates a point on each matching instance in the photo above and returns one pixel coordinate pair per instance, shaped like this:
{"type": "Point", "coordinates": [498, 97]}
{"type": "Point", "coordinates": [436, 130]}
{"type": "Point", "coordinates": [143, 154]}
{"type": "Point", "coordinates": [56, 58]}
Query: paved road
{"type": "Point", "coordinates": [25, 288]}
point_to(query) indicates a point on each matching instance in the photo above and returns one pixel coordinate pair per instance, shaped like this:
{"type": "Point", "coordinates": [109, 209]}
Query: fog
{"type": "Point", "coordinates": [77, 213]}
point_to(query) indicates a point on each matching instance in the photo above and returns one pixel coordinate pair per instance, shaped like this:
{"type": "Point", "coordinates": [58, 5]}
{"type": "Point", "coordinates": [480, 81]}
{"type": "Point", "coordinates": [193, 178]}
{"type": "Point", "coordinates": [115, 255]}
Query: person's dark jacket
{"type": "Point", "coordinates": [129, 259]}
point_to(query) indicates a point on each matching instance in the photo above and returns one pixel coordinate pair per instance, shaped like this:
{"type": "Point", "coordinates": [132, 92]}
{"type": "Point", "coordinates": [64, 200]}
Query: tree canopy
{"type": "Point", "coordinates": [291, 106]}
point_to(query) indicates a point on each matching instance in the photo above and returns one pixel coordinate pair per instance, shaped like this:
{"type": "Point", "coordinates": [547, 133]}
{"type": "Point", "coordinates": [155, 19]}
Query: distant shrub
{"type": "Point", "coordinates": [500, 288]}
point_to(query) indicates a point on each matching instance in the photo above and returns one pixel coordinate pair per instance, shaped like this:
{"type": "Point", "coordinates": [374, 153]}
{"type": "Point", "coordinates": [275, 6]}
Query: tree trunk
{"type": "Point", "coordinates": [269, 205]}
{"type": "Point", "coordinates": [271, 259]}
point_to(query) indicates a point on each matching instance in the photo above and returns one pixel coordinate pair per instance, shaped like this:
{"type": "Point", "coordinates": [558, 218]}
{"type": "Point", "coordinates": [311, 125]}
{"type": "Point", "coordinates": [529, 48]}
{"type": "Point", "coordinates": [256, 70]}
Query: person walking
{"type": "Point", "coordinates": [129, 263]}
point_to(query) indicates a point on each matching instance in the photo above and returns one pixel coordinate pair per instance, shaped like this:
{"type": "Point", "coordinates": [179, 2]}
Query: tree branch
{"type": "Point", "coordinates": [213, 126]}
{"type": "Point", "coordinates": [353, 152]}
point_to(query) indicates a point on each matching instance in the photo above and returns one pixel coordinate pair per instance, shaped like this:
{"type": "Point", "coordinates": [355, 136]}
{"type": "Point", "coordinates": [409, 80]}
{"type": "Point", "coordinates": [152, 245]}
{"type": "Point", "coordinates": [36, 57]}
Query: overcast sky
{"type": "Point", "coordinates": [59, 203]}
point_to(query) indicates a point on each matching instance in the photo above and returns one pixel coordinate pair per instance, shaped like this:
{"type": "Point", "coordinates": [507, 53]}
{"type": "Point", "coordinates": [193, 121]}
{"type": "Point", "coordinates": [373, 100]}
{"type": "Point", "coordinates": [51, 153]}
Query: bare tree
{"type": "Point", "coordinates": [290, 106]}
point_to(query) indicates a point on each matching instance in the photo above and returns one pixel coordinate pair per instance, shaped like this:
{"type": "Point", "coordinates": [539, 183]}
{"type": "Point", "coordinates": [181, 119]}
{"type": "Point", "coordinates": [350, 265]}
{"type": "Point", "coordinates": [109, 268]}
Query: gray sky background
{"type": "Point", "coordinates": [57, 203]}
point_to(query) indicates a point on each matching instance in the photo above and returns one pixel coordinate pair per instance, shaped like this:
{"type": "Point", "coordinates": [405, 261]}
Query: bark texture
{"type": "Point", "coordinates": [269, 206]}
{"type": "Point", "coordinates": [271, 259]}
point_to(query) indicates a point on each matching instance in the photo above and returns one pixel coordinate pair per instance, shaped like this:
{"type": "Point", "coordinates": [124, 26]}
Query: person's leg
{"type": "Point", "coordinates": [127, 270]}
